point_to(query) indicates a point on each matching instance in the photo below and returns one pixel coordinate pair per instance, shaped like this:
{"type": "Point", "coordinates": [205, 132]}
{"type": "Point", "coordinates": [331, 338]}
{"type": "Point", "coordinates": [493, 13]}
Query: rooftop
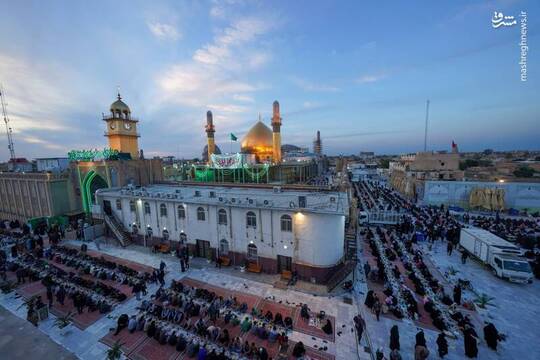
{"type": "Point", "coordinates": [284, 198]}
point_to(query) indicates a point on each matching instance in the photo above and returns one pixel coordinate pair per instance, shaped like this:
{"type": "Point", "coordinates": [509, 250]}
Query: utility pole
{"type": "Point", "coordinates": [9, 131]}
{"type": "Point", "coordinates": [425, 131]}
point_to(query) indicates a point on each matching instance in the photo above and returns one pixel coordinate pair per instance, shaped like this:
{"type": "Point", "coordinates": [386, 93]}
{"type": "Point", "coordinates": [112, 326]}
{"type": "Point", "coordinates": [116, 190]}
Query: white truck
{"type": "Point", "coordinates": [502, 256]}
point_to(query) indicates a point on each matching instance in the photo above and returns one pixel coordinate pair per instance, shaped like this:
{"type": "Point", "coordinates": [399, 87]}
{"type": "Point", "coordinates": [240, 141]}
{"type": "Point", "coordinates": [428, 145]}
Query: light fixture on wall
{"type": "Point", "coordinates": [285, 246]}
{"type": "Point", "coordinates": [251, 241]}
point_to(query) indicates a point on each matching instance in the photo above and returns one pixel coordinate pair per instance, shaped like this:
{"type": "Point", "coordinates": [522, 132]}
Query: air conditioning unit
{"type": "Point", "coordinates": [197, 193]}
{"type": "Point", "coordinates": [233, 200]}
{"type": "Point", "coordinates": [277, 189]}
{"type": "Point", "coordinates": [220, 199]}
{"type": "Point", "coordinates": [332, 199]}
{"type": "Point", "coordinates": [250, 201]}
{"type": "Point", "coordinates": [122, 192]}
{"type": "Point", "coordinates": [178, 191]}
{"type": "Point", "coordinates": [292, 204]}
{"type": "Point", "coordinates": [267, 203]}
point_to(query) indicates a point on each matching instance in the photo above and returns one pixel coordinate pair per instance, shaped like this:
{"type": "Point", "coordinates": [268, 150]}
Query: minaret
{"type": "Point", "coordinates": [276, 133]}
{"type": "Point", "coordinates": [210, 130]}
{"type": "Point", "coordinates": [317, 144]}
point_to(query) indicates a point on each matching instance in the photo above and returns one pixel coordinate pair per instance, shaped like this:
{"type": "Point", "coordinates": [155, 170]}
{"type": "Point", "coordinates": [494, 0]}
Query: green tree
{"type": "Point", "coordinates": [524, 172]}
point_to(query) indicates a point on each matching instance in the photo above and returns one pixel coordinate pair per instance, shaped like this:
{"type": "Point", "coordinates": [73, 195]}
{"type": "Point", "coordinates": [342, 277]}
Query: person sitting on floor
{"type": "Point", "coordinates": [299, 350]}
{"type": "Point", "coordinates": [278, 319]}
{"type": "Point", "coordinates": [304, 312]}
{"type": "Point", "coordinates": [121, 323]}
{"type": "Point", "coordinates": [269, 316]}
{"type": "Point", "coordinates": [132, 324]}
{"type": "Point", "coordinates": [327, 328]}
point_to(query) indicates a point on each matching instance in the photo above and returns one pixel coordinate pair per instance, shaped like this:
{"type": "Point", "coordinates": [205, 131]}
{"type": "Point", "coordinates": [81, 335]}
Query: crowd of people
{"type": "Point", "coordinates": [428, 224]}
{"type": "Point", "coordinates": [187, 317]}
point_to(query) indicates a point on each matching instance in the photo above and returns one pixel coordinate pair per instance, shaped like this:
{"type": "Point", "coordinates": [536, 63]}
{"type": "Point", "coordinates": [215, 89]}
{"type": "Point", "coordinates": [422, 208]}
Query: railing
{"type": "Point", "coordinates": [118, 230]}
{"type": "Point", "coordinates": [382, 217]}
{"type": "Point", "coordinates": [340, 275]}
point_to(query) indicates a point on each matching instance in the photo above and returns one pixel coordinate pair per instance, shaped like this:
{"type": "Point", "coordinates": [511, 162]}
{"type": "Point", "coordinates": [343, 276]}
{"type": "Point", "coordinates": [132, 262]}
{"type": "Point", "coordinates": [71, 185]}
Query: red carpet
{"type": "Point", "coordinates": [150, 349]}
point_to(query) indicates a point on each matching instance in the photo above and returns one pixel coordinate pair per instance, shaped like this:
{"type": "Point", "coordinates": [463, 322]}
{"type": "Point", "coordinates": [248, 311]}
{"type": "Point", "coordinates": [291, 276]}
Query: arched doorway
{"type": "Point", "coordinates": [91, 183]}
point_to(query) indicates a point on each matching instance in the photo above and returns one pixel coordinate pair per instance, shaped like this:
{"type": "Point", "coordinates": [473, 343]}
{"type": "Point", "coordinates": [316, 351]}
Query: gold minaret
{"type": "Point", "coordinates": [276, 133]}
{"type": "Point", "coordinates": [210, 130]}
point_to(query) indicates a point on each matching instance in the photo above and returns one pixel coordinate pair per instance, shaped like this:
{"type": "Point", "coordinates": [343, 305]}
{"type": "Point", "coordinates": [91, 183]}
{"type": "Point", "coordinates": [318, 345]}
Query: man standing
{"type": "Point", "coordinates": [50, 295]}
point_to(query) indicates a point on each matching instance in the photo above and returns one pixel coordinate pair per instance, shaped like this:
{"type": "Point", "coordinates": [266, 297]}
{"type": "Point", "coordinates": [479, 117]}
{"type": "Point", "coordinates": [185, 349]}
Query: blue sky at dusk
{"type": "Point", "coordinates": [358, 71]}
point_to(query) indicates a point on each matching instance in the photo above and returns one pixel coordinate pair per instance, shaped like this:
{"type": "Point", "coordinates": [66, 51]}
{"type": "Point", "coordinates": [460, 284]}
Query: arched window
{"type": "Point", "coordinates": [163, 210]}
{"type": "Point", "coordinates": [181, 212]}
{"type": "Point", "coordinates": [132, 207]}
{"type": "Point", "coordinates": [252, 252]}
{"type": "Point", "coordinates": [286, 223]}
{"type": "Point", "coordinates": [147, 208]}
{"type": "Point", "coordinates": [222, 217]}
{"type": "Point", "coordinates": [223, 247]}
{"type": "Point", "coordinates": [201, 216]}
{"type": "Point", "coordinates": [251, 219]}
{"type": "Point", "coordinates": [118, 204]}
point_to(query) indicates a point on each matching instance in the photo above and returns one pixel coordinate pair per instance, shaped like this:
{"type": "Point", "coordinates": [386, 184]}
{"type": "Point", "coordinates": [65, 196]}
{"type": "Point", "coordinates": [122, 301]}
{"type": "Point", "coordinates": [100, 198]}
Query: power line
{"type": "Point", "coordinates": [9, 131]}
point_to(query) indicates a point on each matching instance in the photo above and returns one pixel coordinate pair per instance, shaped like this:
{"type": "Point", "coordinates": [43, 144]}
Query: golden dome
{"type": "Point", "coordinates": [258, 137]}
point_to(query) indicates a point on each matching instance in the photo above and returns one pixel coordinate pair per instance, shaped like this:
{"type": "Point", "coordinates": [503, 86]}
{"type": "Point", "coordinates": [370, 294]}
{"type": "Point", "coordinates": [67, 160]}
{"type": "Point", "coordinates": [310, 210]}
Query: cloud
{"type": "Point", "coordinates": [311, 86]}
{"type": "Point", "coordinates": [218, 75]}
{"type": "Point", "coordinates": [370, 78]}
{"type": "Point", "coordinates": [239, 33]}
{"type": "Point", "coordinates": [243, 98]}
{"type": "Point", "coordinates": [164, 31]}
{"type": "Point", "coordinates": [221, 9]}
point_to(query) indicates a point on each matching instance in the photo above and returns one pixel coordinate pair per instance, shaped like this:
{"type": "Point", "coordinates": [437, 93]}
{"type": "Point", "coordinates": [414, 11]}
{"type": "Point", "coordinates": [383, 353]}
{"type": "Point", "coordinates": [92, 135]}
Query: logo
{"type": "Point", "coordinates": [499, 20]}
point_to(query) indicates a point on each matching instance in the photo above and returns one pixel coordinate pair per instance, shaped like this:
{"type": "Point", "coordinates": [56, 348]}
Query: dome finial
{"type": "Point", "coordinates": [118, 91]}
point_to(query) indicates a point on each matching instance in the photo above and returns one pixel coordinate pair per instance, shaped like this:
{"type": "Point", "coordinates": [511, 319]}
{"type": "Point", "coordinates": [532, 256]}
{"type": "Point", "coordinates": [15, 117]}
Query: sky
{"type": "Point", "coordinates": [358, 71]}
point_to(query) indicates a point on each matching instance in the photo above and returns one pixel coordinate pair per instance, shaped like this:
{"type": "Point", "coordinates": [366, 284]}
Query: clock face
{"type": "Point", "coordinates": [127, 126]}
{"type": "Point", "coordinates": [112, 126]}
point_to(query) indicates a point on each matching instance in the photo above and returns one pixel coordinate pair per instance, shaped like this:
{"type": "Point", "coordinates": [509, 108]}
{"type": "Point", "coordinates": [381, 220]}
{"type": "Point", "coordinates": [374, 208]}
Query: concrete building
{"type": "Point", "coordinates": [29, 195]}
{"type": "Point", "coordinates": [279, 228]}
{"type": "Point", "coordinates": [57, 164]}
{"type": "Point", "coordinates": [517, 195]}
{"type": "Point", "coordinates": [410, 171]}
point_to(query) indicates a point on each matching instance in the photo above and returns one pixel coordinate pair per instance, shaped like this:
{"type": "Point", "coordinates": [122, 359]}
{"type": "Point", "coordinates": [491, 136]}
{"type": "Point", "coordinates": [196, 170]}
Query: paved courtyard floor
{"type": "Point", "coordinates": [85, 344]}
{"type": "Point", "coordinates": [515, 313]}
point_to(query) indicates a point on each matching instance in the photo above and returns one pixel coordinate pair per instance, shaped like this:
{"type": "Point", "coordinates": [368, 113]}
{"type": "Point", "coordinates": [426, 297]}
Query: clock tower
{"type": "Point", "coordinates": [122, 129]}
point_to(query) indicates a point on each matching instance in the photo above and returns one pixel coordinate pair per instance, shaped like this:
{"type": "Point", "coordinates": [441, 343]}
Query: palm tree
{"type": "Point", "coordinates": [28, 302]}
{"type": "Point", "coordinates": [115, 351]}
{"type": "Point", "coordinates": [484, 300]}
{"type": "Point", "coordinates": [452, 271]}
{"type": "Point", "coordinates": [63, 321]}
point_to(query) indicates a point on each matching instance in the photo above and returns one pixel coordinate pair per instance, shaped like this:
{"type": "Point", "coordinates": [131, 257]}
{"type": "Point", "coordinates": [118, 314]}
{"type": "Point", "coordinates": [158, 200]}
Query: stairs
{"type": "Point", "coordinates": [123, 237]}
{"type": "Point", "coordinates": [340, 275]}
{"type": "Point", "coordinates": [351, 245]}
